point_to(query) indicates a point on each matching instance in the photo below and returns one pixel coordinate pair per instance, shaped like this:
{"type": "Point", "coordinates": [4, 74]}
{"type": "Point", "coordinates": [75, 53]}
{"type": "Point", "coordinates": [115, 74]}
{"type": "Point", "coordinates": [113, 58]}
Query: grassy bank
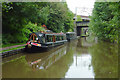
{"type": "Point", "coordinates": [13, 44]}
{"type": "Point", "coordinates": [12, 49]}
{"type": "Point", "coordinates": [9, 45]}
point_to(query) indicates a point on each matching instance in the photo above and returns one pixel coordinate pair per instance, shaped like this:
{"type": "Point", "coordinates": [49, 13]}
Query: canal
{"type": "Point", "coordinates": [82, 58]}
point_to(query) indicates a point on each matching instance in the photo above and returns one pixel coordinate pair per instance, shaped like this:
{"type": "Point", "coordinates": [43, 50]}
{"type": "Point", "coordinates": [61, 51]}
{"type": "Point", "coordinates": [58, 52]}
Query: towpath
{"type": "Point", "coordinates": [5, 48]}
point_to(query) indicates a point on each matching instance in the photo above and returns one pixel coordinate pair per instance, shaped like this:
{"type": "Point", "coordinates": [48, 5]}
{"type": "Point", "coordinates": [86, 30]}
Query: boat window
{"type": "Point", "coordinates": [49, 38]}
{"type": "Point", "coordinates": [58, 38]}
{"type": "Point", "coordinates": [43, 39]}
{"type": "Point", "coordinates": [62, 37]}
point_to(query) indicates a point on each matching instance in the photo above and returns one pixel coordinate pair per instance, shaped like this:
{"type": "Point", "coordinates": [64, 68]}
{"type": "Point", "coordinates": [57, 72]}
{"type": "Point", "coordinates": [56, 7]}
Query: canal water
{"type": "Point", "coordinates": [82, 58]}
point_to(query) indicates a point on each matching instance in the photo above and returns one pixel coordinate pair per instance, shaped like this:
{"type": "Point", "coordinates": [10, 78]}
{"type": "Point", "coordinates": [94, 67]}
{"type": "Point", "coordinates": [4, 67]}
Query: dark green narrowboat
{"type": "Point", "coordinates": [71, 36]}
{"type": "Point", "coordinates": [45, 40]}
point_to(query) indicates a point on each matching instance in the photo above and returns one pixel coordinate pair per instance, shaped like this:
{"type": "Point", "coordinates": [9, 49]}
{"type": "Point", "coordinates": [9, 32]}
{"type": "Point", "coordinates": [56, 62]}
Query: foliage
{"type": "Point", "coordinates": [14, 20]}
{"type": "Point", "coordinates": [21, 18]}
{"type": "Point", "coordinates": [69, 22]}
{"type": "Point", "coordinates": [60, 18]}
{"type": "Point", "coordinates": [105, 20]}
{"type": "Point", "coordinates": [29, 28]}
{"type": "Point", "coordinates": [79, 18]}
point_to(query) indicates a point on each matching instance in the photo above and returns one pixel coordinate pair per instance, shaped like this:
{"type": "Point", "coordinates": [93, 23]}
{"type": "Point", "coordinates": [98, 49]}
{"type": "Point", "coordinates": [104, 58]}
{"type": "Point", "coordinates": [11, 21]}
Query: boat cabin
{"type": "Point", "coordinates": [70, 35]}
{"type": "Point", "coordinates": [46, 39]}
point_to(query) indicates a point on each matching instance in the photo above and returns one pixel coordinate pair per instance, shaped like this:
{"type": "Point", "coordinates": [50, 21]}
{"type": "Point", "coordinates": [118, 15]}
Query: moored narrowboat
{"type": "Point", "coordinates": [45, 40]}
{"type": "Point", "coordinates": [71, 36]}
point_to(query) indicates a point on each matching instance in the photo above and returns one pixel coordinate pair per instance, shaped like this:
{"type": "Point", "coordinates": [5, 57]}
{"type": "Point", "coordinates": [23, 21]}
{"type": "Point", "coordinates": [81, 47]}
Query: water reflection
{"type": "Point", "coordinates": [47, 60]}
{"type": "Point", "coordinates": [16, 68]}
{"type": "Point", "coordinates": [105, 60]}
{"type": "Point", "coordinates": [77, 59]}
{"type": "Point", "coordinates": [81, 66]}
{"type": "Point", "coordinates": [52, 64]}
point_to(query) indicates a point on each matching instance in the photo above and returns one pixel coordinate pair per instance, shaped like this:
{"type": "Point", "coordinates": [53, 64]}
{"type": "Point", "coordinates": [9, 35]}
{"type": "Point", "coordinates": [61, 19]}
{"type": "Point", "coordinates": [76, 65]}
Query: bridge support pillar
{"type": "Point", "coordinates": [78, 31]}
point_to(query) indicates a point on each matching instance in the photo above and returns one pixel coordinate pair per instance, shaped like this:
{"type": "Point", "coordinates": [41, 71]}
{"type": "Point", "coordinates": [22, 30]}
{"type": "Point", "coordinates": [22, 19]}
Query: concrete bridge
{"type": "Point", "coordinates": [82, 24]}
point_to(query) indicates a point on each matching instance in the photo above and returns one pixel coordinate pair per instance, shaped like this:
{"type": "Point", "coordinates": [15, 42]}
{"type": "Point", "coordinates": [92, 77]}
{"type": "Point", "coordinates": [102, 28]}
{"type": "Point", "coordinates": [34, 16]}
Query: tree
{"type": "Point", "coordinates": [105, 21]}
{"type": "Point", "coordinates": [21, 18]}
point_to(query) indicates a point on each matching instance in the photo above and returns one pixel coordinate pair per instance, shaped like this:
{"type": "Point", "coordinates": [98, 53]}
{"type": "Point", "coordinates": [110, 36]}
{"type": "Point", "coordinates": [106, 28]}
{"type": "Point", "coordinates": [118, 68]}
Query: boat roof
{"type": "Point", "coordinates": [41, 34]}
{"type": "Point", "coordinates": [70, 33]}
{"type": "Point", "coordinates": [47, 33]}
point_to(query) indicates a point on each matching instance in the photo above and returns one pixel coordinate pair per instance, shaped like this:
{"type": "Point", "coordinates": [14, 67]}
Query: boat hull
{"type": "Point", "coordinates": [42, 48]}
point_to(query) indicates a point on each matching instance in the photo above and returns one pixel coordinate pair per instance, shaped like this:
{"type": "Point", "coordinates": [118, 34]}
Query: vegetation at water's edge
{"type": "Point", "coordinates": [21, 18]}
{"type": "Point", "coordinates": [13, 44]}
{"type": "Point", "coordinates": [15, 48]}
{"type": "Point", "coordinates": [105, 21]}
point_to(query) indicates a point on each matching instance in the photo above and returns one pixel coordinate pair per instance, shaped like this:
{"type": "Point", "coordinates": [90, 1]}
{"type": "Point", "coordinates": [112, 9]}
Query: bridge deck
{"type": "Point", "coordinates": [82, 23]}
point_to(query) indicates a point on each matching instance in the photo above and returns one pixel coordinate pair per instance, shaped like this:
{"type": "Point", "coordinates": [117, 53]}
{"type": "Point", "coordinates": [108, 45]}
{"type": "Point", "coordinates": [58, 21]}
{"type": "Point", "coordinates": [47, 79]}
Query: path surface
{"type": "Point", "coordinates": [11, 47]}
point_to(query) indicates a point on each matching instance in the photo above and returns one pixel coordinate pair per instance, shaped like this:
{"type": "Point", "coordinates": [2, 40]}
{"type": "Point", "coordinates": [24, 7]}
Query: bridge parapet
{"type": "Point", "coordinates": [82, 23]}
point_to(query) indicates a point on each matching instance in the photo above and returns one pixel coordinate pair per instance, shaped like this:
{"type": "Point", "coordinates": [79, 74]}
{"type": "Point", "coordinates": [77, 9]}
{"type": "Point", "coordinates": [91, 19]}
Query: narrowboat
{"type": "Point", "coordinates": [71, 36]}
{"type": "Point", "coordinates": [44, 40]}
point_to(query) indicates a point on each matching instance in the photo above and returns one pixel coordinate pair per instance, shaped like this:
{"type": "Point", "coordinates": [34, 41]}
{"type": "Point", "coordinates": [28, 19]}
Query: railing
{"type": "Point", "coordinates": [82, 23]}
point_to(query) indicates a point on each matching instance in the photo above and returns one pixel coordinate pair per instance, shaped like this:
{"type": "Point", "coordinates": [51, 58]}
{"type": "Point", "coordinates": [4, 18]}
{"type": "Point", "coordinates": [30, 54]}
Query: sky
{"type": "Point", "coordinates": [81, 7]}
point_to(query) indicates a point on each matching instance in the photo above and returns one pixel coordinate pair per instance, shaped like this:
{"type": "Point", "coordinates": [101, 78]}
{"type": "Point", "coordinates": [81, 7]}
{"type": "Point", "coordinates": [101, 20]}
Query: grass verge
{"type": "Point", "coordinates": [12, 49]}
{"type": "Point", "coordinates": [13, 44]}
